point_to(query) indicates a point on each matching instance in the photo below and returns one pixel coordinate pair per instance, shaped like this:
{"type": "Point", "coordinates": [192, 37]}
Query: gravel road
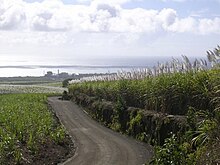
{"type": "Point", "coordinates": [96, 144]}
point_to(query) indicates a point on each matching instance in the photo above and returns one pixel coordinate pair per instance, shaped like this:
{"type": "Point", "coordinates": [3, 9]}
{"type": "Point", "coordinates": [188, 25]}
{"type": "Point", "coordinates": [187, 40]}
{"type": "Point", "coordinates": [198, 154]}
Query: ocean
{"type": "Point", "coordinates": [34, 67]}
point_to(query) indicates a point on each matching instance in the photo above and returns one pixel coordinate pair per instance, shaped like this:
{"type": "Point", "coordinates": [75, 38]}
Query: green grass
{"type": "Point", "coordinates": [25, 123]}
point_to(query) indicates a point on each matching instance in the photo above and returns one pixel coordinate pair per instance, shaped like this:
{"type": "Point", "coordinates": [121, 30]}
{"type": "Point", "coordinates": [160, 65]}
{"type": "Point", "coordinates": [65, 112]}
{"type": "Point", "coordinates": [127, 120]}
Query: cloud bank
{"type": "Point", "coordinates": [98, 17]}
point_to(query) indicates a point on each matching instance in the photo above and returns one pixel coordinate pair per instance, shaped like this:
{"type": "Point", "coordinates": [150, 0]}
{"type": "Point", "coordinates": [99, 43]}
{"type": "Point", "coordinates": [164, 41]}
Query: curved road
{"type": "Point", "coordinates": [96, 144]}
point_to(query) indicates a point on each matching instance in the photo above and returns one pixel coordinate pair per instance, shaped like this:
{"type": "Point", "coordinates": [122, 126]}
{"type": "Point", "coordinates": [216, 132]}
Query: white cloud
{"type": "Point", "coordinates": [174, 0]}
{"type": "Point", "coordinates": [209, 26]}
{"type": "Point", "coordinates": [197, 26]}
{"type": "Point", "coordinates": [106, 1]}
{"type": "Point", "coordinates": [11, 15]}
{"type": "Point", "coordinates": [167, 17]}
{"type": "Point", "coordinates": [83, 1]}
{"type": "Point", "coordinates": [64, 21]}
{"type": "Point", "coordinates": [188, 24]}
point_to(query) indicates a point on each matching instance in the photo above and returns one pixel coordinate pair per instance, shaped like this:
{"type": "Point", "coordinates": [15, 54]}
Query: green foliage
{"type": "Point", "coordinates": [187, 149]}
{"type": "Point", "coordinates": [134, 124]}
{"type": "Point", "coordinates": [119, 121]}
{"type": "Point", "coordinates": [167, 93]}
{"type": "Point", "coordinates": [171, 153]}
{"type": "Point", "coordinates": [58, 135]}
{"type": "Point", "coordinates": [194, 144]}
{"type": "Point", "coordinates": [216, 102]}
{"type": "Point", "coordinates": [25, 122]}
{"type": "Point", "coordinates": [65, 82]}
{"type": "Point", "coordinates": [203, 133]}
{"type": "Point", "coordinates": [65, 95]}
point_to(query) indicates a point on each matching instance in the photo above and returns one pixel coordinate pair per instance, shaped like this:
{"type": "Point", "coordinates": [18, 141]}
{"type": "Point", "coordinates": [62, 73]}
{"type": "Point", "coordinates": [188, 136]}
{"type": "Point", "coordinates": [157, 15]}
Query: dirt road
{"type": "Point", "coordinates": [96, 144]}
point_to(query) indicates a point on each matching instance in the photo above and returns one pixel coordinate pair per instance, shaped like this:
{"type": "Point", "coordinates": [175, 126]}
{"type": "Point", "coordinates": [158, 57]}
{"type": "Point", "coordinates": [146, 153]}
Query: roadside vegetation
{"type": "Point", "coordinates": [168, 93]}
{"type": "Point", "coordinates": [174, 106]}
{"type": "Point", "coordinates": [29, 132]}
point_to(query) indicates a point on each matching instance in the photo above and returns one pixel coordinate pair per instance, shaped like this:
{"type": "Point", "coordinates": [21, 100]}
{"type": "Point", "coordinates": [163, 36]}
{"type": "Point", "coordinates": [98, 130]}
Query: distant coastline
{"type": "Point", "coordinates": [68, 66]}
{"type": "Point", "coordinates": [36, 68]}
{"type": "Point", "coordinates": [41, 70]}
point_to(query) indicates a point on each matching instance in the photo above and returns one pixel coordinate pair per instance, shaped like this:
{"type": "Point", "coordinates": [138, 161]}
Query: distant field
{"type": "Point", "coordinates": [6, 88]}
{"type": "Point", "coordinates": [24, 82]}
{"type": "Point", "coordinates": [52, 84]}
{"type": "Point", "coordinates": [52, 81]}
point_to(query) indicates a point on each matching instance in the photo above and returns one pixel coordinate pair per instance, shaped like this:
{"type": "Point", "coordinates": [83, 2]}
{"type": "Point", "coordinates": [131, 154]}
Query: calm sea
{"type": "Point", "coordinates": [34, 67]}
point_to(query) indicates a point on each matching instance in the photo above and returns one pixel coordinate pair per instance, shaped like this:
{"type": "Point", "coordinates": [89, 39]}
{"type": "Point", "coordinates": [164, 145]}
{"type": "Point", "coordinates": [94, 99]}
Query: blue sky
{"type": "Point", "coordinates": [84, 30]}
{"type": "Point", "coordinates": [204, 7]}
{"type": "Point", "coordinates": [208, 8]}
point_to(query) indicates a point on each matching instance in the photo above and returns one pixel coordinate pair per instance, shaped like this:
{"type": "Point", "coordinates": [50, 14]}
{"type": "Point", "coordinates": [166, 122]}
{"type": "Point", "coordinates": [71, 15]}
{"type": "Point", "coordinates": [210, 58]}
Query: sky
{"type": "Point", "coordinates": [65, 32]}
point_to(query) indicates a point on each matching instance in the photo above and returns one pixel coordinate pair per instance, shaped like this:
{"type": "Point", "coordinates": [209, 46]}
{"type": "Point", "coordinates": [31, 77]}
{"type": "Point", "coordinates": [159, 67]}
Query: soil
{"type": "Point", "coordinates": [50, 153]}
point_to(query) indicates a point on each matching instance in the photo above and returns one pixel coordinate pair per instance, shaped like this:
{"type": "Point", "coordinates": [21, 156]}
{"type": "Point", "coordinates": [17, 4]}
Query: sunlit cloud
{"type": "Point", "coordinates": [101, 28]}
{"type": "Point", "coordinates": [98, 17]}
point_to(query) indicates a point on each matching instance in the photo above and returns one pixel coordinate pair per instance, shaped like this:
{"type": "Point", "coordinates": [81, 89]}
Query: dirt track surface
{"type": "Point", "coordinates": [96, 144]}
